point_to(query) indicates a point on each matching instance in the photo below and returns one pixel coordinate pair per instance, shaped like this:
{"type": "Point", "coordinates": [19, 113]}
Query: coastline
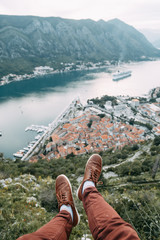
{"type": "Point", "coordinates": [46, 70]}
{"type": "Point", "coordinates": [65, 67]}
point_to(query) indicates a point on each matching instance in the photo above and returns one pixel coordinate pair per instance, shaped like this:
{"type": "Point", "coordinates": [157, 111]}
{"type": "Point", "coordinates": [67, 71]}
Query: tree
{"type": "Point", "coordinates": [135, 147]}
{"type": "Point", "coordinates": [131, 121]}
{"type": "Point", "coordinates": [90, 123]}
{"type": "Point", "coordinates": [136, 168]}
{"type": "Point", "coordinates": [156, 140]}
{"type": "Point", "coordinates": [155, 167]}
{"type": "Point", "coordinates": [149, 126]}
{"type": "Point", "coordinates": [147, 164]}
{"type": "Point", "coordinates": [101, 115]}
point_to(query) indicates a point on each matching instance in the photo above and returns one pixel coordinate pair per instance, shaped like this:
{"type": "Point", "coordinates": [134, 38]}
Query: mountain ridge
{"type": "Point", "coordinates": [33, 41]}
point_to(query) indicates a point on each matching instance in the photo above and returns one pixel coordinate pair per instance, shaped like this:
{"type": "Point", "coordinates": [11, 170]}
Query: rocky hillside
{"type": "Point", "coordinates": [130, 182]}
{"type": "Point", "coordinates": [27, 41]}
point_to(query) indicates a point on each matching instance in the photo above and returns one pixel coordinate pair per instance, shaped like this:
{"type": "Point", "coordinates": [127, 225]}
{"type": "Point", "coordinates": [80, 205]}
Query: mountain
{"type": "Point", "coordinates": [157, 43]}
{"type": "Point", "coordinates": [153, 35]}
{"type": "Point", "coordinates": [29, 41]}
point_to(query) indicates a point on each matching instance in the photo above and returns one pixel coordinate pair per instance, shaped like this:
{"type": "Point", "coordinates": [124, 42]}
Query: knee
{"type": "Point", "coordinates": [26, 237]}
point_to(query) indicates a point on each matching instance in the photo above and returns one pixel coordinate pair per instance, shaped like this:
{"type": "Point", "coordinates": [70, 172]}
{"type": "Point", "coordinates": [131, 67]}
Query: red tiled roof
{"type": "Point", "coordinates": [67, 125]}
{"type": "Point", "coordinates": [104, 137]}
{"type": "Point", "coordinates": [55, 138]}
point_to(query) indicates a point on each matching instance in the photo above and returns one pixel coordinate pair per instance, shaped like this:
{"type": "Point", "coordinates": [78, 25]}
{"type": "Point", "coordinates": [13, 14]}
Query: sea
{"type": "Point", "coordinates": [40, 100]}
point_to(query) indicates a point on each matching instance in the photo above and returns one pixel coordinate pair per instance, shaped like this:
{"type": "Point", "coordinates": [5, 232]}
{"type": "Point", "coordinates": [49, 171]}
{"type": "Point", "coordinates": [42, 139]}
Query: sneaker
{"type": "Point", "coordinates": [92, 172]}
{"type": "Point", "coordinates": [64, 196]}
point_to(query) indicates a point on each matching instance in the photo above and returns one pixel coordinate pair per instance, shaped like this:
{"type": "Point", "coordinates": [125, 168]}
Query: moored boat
{"type": "Point", "coordinates": [26, 149]}
{"type": "Point", "coordinates": [37, 137]}
{"type": "Point", "coordinates": [18, 154]}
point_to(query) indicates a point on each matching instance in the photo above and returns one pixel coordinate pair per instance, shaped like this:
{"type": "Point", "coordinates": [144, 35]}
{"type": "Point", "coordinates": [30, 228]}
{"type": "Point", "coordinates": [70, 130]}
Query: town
{"type": "Point", "coordinates": [94, 128]}
{"type": "Point", "coordinates": [45, 70]}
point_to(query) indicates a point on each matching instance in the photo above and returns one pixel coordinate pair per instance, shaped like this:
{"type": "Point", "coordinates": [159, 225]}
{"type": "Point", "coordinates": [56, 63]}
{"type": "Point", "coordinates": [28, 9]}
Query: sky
{"type": "Point", "coordinates": [138, 13]}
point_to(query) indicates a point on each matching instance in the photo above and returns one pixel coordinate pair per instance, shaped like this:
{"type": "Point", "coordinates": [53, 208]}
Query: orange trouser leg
{"type": "Point", "coordinates": [104, 221]}
{"type": "Point", "coordinates": [59, 228]}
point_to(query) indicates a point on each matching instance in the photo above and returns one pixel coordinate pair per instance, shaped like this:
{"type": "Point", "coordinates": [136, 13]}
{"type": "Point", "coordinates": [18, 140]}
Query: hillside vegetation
{"type": "Point", "coordinates": [28, 200]}
{"type": "Point", "coordinates": [28, 41]}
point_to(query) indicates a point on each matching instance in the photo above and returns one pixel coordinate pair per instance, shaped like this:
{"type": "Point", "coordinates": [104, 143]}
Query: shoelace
{"type": "Point", "coordinates": [94, 175]}
{"type": "Point", "coordinates": [63, 199]}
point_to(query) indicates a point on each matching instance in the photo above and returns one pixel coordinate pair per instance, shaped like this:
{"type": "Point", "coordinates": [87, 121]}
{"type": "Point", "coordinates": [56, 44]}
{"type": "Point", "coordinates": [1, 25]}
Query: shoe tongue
{"type": "Point", "coordinates": [62, 185]}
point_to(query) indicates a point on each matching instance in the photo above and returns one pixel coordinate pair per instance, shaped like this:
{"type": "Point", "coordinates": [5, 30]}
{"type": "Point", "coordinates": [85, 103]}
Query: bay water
{"type": "Point", "coordinates": [40, 100]}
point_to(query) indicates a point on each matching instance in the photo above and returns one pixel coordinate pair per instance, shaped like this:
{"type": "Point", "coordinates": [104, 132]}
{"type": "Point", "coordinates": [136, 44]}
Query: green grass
{"type": "Point", "coordinates": [28, 199]}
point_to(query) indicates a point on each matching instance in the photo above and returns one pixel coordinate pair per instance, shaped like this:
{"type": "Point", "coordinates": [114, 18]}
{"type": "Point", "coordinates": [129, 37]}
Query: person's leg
{"type": "Point", "coordinates": [60, 227]}
{"type": "Point", "coordinates": [104, 221]}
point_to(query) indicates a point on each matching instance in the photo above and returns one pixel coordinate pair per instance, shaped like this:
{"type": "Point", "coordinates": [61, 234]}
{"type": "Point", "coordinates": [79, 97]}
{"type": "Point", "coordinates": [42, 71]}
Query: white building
{"type": "Point", "coordinates": [135, 102]}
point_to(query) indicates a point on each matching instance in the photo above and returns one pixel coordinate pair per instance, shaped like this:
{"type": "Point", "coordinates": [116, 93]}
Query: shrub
{"type": "Point", "coordinates": [156, 140]}
{"type": "Point", "coordinates": [79, 171]}
{"type": "Point", "coordinates": [135, 147]}
{"type": "Point", "coordinates": [48, 199]}
{"type": "Point", "coordinates": [136, 168]}
{"type": "Point", "coordinates": [125, 169]}
{"type": "Point", "coordinates": [147, 164]}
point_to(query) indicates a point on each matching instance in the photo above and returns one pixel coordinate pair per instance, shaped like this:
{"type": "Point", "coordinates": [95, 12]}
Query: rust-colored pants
{"type": "Point", "coordinates": [104, 222]}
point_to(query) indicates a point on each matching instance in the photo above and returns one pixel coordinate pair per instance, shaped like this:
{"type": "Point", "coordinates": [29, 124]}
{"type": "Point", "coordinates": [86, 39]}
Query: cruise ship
{"type": "Point", "coordinates": [120, 75]}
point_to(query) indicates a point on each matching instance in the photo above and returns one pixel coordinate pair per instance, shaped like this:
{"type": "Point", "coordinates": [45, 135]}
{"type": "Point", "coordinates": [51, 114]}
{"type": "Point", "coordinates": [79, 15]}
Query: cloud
{"type": "Point", "coordinates": [134, 12]}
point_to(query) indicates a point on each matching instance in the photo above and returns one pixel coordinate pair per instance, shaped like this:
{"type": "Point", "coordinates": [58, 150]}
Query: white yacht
{"type": "Point", "coordinates": [18, 154]}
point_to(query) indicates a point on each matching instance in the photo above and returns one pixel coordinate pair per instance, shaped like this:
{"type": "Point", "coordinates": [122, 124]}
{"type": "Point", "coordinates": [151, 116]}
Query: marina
{"type": "Point", "coordinates": [37, 128]}
{"type": "Point", "coordinates": [35, 145]}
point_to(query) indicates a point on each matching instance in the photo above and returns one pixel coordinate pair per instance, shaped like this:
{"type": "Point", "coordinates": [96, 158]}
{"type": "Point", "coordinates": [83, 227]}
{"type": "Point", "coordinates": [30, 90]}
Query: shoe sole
{"type": "Point", "coordinates": [72, 197]}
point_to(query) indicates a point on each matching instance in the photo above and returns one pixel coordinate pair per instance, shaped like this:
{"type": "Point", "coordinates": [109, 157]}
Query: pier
{"type": "Point", "coordinates": [36, 128]}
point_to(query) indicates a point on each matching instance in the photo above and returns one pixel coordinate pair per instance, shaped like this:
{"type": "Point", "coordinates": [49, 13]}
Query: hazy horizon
{"type": "Point", "coordinates": [139, 13]}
